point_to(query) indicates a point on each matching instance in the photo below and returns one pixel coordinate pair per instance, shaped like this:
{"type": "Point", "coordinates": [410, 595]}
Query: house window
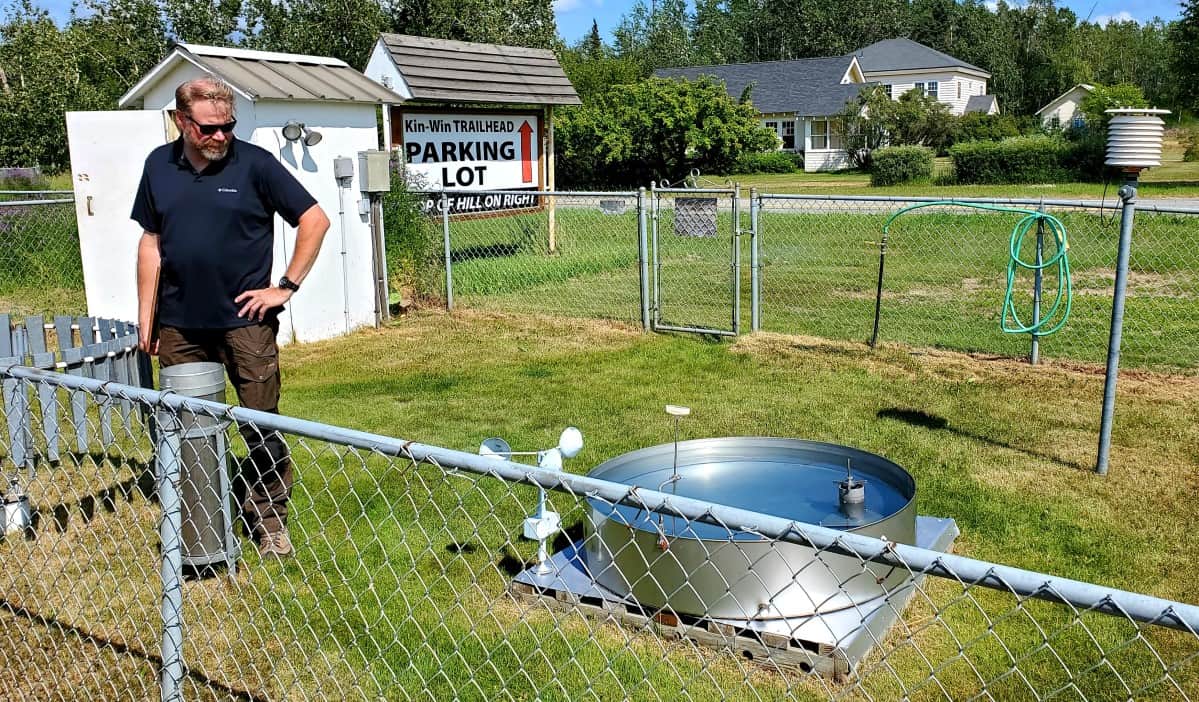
{"type": "Point", "coordinates": [919, 87]}
{"type": "Point", "coordinates": [887, 88]}
{"type": "Point", "coordinates": [826, 134]}
{"type": "Point", "coordinates": [1055, 122]}
{"type": "Point", "coordinates": [819, 134]}
{"type": "Point", "coordinates": [931, 89]}
{"type": "Point", "coordinates": [789, 135]}
{"type": "Point", "coordinates": [959, 84]}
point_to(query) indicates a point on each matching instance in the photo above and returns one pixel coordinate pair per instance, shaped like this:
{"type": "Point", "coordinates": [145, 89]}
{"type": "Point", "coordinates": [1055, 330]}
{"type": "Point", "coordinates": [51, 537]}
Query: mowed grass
{"type": "Point", "coordinates": [398, 587]}
{"type": "Point", "coordinates": [1003, 448]}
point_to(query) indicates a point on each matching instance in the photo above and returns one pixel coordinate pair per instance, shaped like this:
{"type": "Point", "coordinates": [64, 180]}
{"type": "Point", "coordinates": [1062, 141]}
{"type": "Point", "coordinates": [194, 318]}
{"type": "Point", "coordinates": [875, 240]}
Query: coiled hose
{"type": "Point", "coordinates": [1050, 320]}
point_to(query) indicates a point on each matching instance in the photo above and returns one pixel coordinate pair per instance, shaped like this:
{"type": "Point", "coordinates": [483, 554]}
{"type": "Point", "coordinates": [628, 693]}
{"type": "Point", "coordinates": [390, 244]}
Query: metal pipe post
{"type": "Point", "coordinates": [654, 251]}
{"type": "Point", "coordinates": [643, 256]}
{"type": "Point", "coordinates": [1034, 356]}
{"type": "Point", "coordinates": [878, 295]}
{"type": "Point", "coordinates": [170, 537]}
{"type": "Point", "coordinates": [1128, 194]}
{"type": "Point", "coordinates": [755, 277]}
{"type": "Point", "coordinates": [449, 266]}
{"type": "Point", "coordinates": [736, 259]}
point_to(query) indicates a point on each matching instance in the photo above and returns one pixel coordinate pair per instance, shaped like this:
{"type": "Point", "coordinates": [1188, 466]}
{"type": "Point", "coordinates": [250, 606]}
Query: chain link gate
{"type": "Point", "coordinates": [696, 259]}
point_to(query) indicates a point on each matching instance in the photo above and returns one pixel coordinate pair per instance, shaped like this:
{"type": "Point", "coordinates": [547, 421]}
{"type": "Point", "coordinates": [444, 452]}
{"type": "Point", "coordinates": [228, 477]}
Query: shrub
{"type": "Point", "coordinates": [1034, 159]}
{"type": "Point", "coordinates": [894, 165]}
{"type": "Point", "coordinates": [767, 162]}
{"type": "Point", "coordinates": [412, 241]}
{"type": "Point", "coordinates": [1190, 143]}
{"type": "Point", "coordinates": [978, 126]}
{"type": "Point", "coordinates": [657, 129]}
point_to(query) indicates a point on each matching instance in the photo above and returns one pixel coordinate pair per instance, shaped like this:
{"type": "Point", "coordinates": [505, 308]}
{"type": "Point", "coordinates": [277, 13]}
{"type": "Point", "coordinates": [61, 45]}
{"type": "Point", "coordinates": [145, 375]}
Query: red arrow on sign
{"type": "Point", "coordinates": [526, 152]}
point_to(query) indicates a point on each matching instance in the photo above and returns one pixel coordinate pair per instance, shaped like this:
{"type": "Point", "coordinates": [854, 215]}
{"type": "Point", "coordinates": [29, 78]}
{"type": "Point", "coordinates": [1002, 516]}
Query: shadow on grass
{"type": "Point", "coordinates": [123, 649]}
{"type": "Point", "coordinates": [920, 418]}
{"type": "Point", "coordinates": [58, 516]}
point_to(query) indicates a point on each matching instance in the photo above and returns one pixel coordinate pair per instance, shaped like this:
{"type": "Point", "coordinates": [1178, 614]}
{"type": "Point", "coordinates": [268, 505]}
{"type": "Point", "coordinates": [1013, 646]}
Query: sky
{"type": "Point", "coordinates": [574, 16]}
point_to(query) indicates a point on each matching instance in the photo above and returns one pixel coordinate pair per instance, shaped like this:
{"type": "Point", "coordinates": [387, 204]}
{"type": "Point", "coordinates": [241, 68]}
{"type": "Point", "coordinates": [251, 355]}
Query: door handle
{"type": "Point", "coordinates": [90, 213]}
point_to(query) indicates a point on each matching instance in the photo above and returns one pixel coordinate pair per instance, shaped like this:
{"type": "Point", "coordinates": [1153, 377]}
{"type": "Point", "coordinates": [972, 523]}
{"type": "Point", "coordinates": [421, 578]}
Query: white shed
{"type": "Point", "coordinates": [1063, 110]}
{"type": "Point", "coordinates": [324, 94]}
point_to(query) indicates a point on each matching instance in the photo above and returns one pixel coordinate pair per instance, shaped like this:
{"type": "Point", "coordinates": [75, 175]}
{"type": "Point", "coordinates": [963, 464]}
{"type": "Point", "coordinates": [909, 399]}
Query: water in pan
{"type": "Point", "coordinates": [804, 492]}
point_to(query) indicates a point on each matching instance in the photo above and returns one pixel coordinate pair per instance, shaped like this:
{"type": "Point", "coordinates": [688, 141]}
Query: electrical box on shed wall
{"type": "Point", "coordinates": [374, 171]}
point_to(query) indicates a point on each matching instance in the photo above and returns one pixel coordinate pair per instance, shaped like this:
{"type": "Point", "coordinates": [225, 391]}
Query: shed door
{"type": "Point", "coordinates": [107, 153]}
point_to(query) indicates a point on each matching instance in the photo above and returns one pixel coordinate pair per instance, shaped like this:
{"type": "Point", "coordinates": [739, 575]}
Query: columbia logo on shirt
{"type": "Point", "coordinates": [226, 190]}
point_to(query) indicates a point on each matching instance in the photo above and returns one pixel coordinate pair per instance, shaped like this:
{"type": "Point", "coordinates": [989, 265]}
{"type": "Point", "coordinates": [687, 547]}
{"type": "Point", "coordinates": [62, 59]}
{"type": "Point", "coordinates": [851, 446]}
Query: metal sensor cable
{"type": "Point", "coordinates": [1064, 298]}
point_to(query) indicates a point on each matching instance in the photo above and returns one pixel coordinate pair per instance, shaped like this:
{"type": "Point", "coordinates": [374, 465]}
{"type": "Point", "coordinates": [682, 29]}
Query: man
{"type": "Point", "coordinates": [207, 204]}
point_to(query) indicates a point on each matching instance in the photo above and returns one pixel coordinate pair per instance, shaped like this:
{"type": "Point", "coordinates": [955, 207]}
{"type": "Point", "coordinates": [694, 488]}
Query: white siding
{"type": "Point", "coordinates": [947, 85]}
{"type": "Point", "coordinates": [382, 69]}
{"type": "Point", "coordinates": [1063, 108]}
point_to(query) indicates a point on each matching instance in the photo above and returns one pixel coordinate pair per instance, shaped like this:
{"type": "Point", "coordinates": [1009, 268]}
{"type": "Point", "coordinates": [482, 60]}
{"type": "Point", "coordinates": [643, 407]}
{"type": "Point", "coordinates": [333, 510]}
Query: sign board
{"type": "Point", "coordinates": [473, 151]}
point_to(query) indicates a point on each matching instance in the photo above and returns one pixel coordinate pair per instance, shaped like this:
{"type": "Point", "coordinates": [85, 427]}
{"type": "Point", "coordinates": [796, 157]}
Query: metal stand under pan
{"type": "Point", "coordinates": [830, 644]}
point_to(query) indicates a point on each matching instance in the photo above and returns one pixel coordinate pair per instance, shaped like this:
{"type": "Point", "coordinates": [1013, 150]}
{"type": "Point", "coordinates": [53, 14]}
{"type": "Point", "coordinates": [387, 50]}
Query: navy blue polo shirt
{"type": "Point", "coordinates": [215, 229]}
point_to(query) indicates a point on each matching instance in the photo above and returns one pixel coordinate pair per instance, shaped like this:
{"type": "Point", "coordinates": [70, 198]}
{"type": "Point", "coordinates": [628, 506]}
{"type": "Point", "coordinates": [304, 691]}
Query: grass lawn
{"type": "Point", "coordinates": [403, 567]}
{"type": "Point", "coordinates": [397, 587]}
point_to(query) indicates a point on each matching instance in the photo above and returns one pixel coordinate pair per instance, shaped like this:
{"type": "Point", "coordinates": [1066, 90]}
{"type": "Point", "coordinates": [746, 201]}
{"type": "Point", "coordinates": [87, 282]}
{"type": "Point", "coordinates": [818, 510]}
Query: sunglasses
{"type": "Point", "coordinates": [210, 129]}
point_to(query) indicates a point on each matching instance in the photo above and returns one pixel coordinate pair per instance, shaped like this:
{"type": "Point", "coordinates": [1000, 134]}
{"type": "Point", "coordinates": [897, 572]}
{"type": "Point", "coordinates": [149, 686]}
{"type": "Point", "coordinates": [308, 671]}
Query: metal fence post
{"type": "Point", "coordinates": [643, 256]}
{"type": "Point", "coordinates": [736, 258]}
{"type": "Point", "coordinates": [169, 535]}
{"type": "Point", "coordinates": [878, 295]}
{"type": "Point", "coordinates": [449, 266]}
{"type": "Point", "coordinates": [1128, 193]}
{"type": "Point", "coordinates": [654, 215]}
{"type": "Point", "coordinates": [1034, 356]}
{"type": "Point", "coordinates": [755, 277]}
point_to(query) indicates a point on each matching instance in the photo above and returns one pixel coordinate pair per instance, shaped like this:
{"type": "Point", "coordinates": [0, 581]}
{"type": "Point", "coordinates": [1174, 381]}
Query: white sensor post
{"type": "Point", "coordinates": [1134, 143]}
{"type": "Point", "coordinates": [544, 523]}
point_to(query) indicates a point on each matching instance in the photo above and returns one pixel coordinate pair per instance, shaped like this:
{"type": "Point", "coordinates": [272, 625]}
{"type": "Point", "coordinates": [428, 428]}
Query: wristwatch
{"type": "Point", "coordinates": [286, 284]}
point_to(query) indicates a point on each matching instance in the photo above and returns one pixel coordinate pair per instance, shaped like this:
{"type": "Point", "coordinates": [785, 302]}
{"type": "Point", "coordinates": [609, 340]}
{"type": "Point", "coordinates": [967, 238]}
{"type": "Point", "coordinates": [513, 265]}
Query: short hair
{"type": "Point", "coordinates": [208, 87]}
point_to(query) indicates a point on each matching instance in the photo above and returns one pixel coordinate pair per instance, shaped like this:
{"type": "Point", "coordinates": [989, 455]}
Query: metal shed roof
{"type": "Point", "coordinates": [267, 75]}
{"type": "Point", "coordinates": [441, 70]}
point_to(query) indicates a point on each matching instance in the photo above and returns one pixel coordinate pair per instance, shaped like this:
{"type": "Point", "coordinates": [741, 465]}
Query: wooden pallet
{"type": "Point", "coordinates": [769, 651]}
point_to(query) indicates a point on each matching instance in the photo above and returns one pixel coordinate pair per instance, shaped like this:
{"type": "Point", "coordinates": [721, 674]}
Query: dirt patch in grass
{"type": "Point", "coordinates": [1101, 282]}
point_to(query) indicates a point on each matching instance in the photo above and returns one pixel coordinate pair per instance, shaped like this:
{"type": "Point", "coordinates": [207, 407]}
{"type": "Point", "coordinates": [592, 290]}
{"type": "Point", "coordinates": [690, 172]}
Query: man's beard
{"type": "Point", "coordinates": [214, 153]}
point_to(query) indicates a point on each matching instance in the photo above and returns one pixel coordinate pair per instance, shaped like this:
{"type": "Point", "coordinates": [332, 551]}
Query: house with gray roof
{"type": "Point", "coordinates": [900, 65]}
{"type": "Point", "coordinates": [799, 99]}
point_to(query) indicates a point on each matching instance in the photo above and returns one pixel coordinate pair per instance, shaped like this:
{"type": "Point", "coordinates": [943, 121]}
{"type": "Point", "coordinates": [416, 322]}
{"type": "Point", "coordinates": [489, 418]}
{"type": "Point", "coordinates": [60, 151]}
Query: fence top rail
{"type": "Point", "coordinates": [1085, 596]}
{"type": "Point", "coordinates": [37, 192]}
{"type": "Point", "coordinates": [1083, 204]}
{"type": "Point", "coordinates": [697, 191]}
{"type": "Point", "coordinates": [1144, 206]}
{"type": "Point", "coordinates": [536, 193]}
{"type": "Point", "coordinates": [14, 203]}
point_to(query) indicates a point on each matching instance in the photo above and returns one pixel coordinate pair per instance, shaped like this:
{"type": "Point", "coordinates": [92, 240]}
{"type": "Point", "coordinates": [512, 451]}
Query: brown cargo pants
{"type": "Point", "coordinates": [262, 484]}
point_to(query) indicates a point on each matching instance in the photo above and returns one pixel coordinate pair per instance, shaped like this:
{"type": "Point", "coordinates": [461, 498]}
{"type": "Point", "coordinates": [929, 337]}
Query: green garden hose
{"type": "Point", "coordinates": [1050, 321]}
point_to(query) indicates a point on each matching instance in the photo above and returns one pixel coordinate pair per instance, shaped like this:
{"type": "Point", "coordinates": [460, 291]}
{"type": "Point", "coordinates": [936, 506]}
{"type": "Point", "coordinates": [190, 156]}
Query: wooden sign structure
{"type": "Point", "coordinates": [474, 117]}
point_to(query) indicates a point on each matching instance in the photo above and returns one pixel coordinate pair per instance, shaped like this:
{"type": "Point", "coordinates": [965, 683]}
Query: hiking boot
{"type": "Point", "coordinates": [275, 544]}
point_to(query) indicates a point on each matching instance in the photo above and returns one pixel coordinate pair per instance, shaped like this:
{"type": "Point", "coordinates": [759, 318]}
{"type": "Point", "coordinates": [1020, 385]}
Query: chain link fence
{"type": "Point", "coordinates": [410, 579]}
{"type": "Point", "coordinates": [40, 265]}
{"type": "Point", "coordinates": [568, 254]}
{"type": "Point", "coordinates": [945, 276]}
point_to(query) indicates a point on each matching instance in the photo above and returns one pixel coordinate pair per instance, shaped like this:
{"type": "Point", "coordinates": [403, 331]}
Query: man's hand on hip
{"type": "Point", "coordinates": [258, 302]}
